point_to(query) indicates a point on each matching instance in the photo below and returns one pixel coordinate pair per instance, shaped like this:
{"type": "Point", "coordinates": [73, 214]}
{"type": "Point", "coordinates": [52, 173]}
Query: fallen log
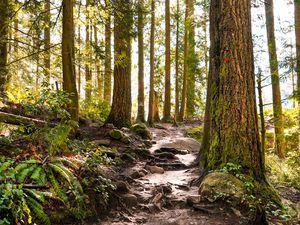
{"type": "Point", "coordinates": [21, 120]}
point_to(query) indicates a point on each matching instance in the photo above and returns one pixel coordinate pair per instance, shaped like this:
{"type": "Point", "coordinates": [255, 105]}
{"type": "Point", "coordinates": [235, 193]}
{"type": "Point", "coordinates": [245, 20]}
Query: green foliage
{"type": "Point", "coordinates": [196, 132]}
{"type": "Point", "coordinates": [95, 109]}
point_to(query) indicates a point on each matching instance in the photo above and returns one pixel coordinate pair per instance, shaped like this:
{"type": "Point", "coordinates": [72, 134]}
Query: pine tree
{"type": "Point", "coordinates": [107, 62]}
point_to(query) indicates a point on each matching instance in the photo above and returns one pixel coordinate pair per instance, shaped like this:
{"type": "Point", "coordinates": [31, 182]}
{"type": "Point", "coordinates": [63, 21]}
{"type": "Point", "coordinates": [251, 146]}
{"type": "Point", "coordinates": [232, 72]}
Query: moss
{"type": "Point", "coordinates": [141, 130]}
{"type": "Point", "coordinates": [116, 134]}
{"type": "Point", "coordinates": [196, 133]}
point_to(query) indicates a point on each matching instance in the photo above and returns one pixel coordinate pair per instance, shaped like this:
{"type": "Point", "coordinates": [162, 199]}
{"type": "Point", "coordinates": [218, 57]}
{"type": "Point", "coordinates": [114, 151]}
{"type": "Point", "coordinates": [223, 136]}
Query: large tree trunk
{"type": "Point", "coordinates": [120, 114]}
{"type": "Point", "coordinates": [141, 97]}
{"type": "Point", "coordinates": [69, 77]}
{"type": "Point", "coordinates": [232, 115]}
{"type": "Point", "coordinates": [47, 39]}
{"type": "Point", "coordinates": [167, 103]}
{"type": "Point", "coordinates": [107, 62]}
{"type": "Point", "coordinates": [4, 20]}
{"type": "Point", "coordinates": [185, 66]}
{"type": "Point", "coordinates": [99, 74]}
{"type": "Point", "coordinates": [151, 89]}
{"type": "Point", "coordinates": [177, 63]}
{"type": "Point", "coordinates": [277, 107]}
{"type": "Point", "coordinates": [297, 34]}
{"type": "Point", "coordinates": [88, 75]}
{"type": "Point", "coordinates": [191, 61]}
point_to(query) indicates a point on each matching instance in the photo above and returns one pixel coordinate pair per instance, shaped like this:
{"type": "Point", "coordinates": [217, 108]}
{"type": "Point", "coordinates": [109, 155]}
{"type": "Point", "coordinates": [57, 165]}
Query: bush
{"type": "Point", "coordinates": [95, 109]}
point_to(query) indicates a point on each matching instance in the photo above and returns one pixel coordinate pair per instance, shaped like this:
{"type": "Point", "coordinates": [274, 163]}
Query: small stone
{"type": "Point", "coordinates": [122, 187]}
{"type": "Point", "coordinates": [116, 134]}
{"type": "Point", "coordinates": [193, 199]}
{"type": "Point", "coordinates": [128, 158]}
{"type": "Point", "coordinates": [130, 200]}
{"type": "Point", "coordinates": [109, 125]}
{"type": "Point", "coordinates": [137, 174]}
{"type": "Point", "coordinates": [236, 212]}
{"type": "Point", "coordinates": [155, 169]}
{"type": "Point", "coordinates": [125, 140]}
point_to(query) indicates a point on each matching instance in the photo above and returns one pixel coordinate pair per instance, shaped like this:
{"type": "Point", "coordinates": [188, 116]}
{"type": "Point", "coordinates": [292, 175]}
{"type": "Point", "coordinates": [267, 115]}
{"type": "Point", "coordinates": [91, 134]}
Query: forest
{"type": "Point", "coordinates": [153, 112]}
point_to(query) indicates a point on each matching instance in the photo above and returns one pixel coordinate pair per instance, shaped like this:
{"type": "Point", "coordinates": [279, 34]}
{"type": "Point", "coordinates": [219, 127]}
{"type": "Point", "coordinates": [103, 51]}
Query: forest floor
{"type": "Point", "coordinates": [161, 197]}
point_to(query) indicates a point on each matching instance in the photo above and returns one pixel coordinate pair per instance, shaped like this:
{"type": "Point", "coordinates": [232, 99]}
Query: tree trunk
{"type": "Point", "coordinates": [4, 20]}
{"type": "Point", "coordinates": [167, 103]}
{"type": "Point", "coordinates": [277, 107]}
{"type": "Point", "coordinates": [120, 114]}
{"type": "Point", "coordinates": [79, 62]}
{"type": "Point", "coordinates": [233, 123]}
{"type": "Point", "coordinates": [99, 74]}
{"type": "Point", "coordinates": [47, 39]}
{"type": "Point", "coordinates": [88, 75]}
{"type": "Point", "coordinates": [261, 114]}
{"type": "Point", "coordinates": [151, 89]}
{"type": "Point", "coordinates": [69, 77]}
{"type": "Point", "coordinates": [185, 72]}
{"type": "Point", "coordinates": [107, 62]}
{"type": "Point", "coordinates": [141, 97]}
{"type": "Point", "coordinates": [177, 63]}
{"type": "Point", "coordinates": [191, 61]}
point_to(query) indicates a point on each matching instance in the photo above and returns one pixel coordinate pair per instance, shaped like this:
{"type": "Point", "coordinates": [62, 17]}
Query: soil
{"type": "Point", "coordinates": [162, 197]}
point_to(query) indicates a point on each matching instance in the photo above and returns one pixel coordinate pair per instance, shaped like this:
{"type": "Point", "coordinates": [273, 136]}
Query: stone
{"type": "Point", "coordinates": [128, 158]}
{"type": "Point", "coordinates": [102, 142]}
{"type": "Point", "coordinates": [116, 134]}
{"type": "Point", "coordinates": [193, 199]}
{"type": "Point", "coordinates": [222, 183]}
{"type": "Point", "coordinates": [137, 174]}
{"type": "Point", "coordinates": [141, 130]}
{"type": "Point", "coordinates": [125, 140]}
{"type": "Point", "coordinates": [122, 186]}
{"type": "Point", "coordinates": [129, 200]}
{"type": "Point", "coordinates": [155, 169]}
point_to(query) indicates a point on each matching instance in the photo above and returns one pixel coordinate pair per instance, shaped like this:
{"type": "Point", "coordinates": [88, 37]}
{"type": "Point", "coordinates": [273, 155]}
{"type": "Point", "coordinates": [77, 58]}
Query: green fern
{"type": "Point", "coordinates": [26, 172]}
{"type": "Point", "coordinates": [38, 210]}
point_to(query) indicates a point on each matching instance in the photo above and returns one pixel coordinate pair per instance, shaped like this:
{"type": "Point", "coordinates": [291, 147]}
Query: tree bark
{"type": "Point", "coordinates": [277, 107]}
{"type": "Point", "coordinates": [151, 89]}
{"type": "Point", "coordinates": [107, 62]}
{"type": "Point", "coordinates": [120, 114]}
{"type": "Point", "coordinates": [69, 77]}
{"type": "Point", "coordinates": [47, 41]}
{"type": "Point", "coordinates": [99, 74]}
{"type": "Point", "coordinates": [232, 121]}
{"type": "Point", "coordinates": [141, 97]}
{"type": "Point", "coordinates": [191, 61]}
{"type": "Point", "coordinates": [4, 17]}
{"type": "Point", "coordinates": [185, 72]}
{"type": "Point", "coordinates": [167, 103]}
{"type": "Point", "coordinates": [88, 75]}
{"type": "Point", "coordinates": [177, 62]}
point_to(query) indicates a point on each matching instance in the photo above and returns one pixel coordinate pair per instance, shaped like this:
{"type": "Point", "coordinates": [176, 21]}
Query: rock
{"type": "Point", "coordinates": [95, 125]}
{"type": "Point", "coordinates": [137, 174]}
{"type": "Point", "coordinates": [166, 155]}
{"type": "Point", "coordinates": [109, 125]}
{"type": "Point", "coordinates": [141, 130]}
{"type": "Point", "coordinates": [122, 186]}
{"type": "Point", "coordinates": [128, 158]}
{"type": "Point", "coordinates": [125, 140]}
{"type": "Point", "coordinates": [116, 134]}
{"type": "Point", "coordinates": [193, 199]}
{"type": "Point", "coordinates": [236, 212]}
{"type": "Point", "coordinates": [130, 200]}
{"type": "Point", "coordinates": [125, 129]}
{"type": "Point", "coordinates": [155, 169]}
{"type": "Point", "coordinates": [217, 183]}
{"type": "Point", "coordinates": [103, 142]}
{"type": "Point", "coordinates": [147, 143]}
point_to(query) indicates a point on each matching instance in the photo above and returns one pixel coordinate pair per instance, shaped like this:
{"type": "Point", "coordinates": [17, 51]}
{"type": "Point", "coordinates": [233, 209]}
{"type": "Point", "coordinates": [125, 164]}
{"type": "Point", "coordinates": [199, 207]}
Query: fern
{"type": "Point", "coordinates": [38, 210]}
{"type": "Point", "coordinates": [26, 172]}
{"type": "Point", "coordinates": [57, 188]}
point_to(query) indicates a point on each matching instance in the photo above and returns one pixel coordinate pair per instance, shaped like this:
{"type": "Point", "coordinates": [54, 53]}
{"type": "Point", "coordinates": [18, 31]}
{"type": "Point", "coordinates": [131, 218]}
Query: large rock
{"type": "Point", "coordinates": [116, 134]}
{"type": "Point", "coordinates": [130, 200]}
{"type": "Point", "coordinates": [155, 169]}
{"type": "Point", "coordinates": [141, 130]}
{"type": "Point", "coordinates": [219, 185]}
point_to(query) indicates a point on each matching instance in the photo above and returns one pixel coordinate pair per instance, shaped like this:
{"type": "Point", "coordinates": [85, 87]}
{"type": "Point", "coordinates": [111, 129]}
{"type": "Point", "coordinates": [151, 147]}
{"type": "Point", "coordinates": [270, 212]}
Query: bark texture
{"type": "Point", "coordinates": [277, 107]}
{"type": "Point", "coordinates": [120, 114]}
{"type": "Point", "coordinates": [69, 77]}
{"type": "Point", "coordinates": [47, 39]}
{"type": "Point", "coordinates": [167, 103]}
{"type": "Point", "coordinates": [177, 62]}
{"type": "Point", "coordinates": [151, 89]}
{"type": "Point", "coordinates": [141, 97]}
{"type": "Point", "coordinates": [107, 62]}
{"type": "Point", "coordinates": [3, 44]}
{"type": "Point", "coordinates": [231, 117]}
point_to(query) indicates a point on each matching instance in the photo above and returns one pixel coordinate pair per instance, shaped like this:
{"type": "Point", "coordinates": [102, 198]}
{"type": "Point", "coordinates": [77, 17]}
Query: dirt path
{"type": "Point", "coordinates": [159, 187]}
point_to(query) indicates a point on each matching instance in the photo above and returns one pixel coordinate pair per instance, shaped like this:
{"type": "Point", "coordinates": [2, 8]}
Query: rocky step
{"type": "Point", "coordinates": [171, 150]}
